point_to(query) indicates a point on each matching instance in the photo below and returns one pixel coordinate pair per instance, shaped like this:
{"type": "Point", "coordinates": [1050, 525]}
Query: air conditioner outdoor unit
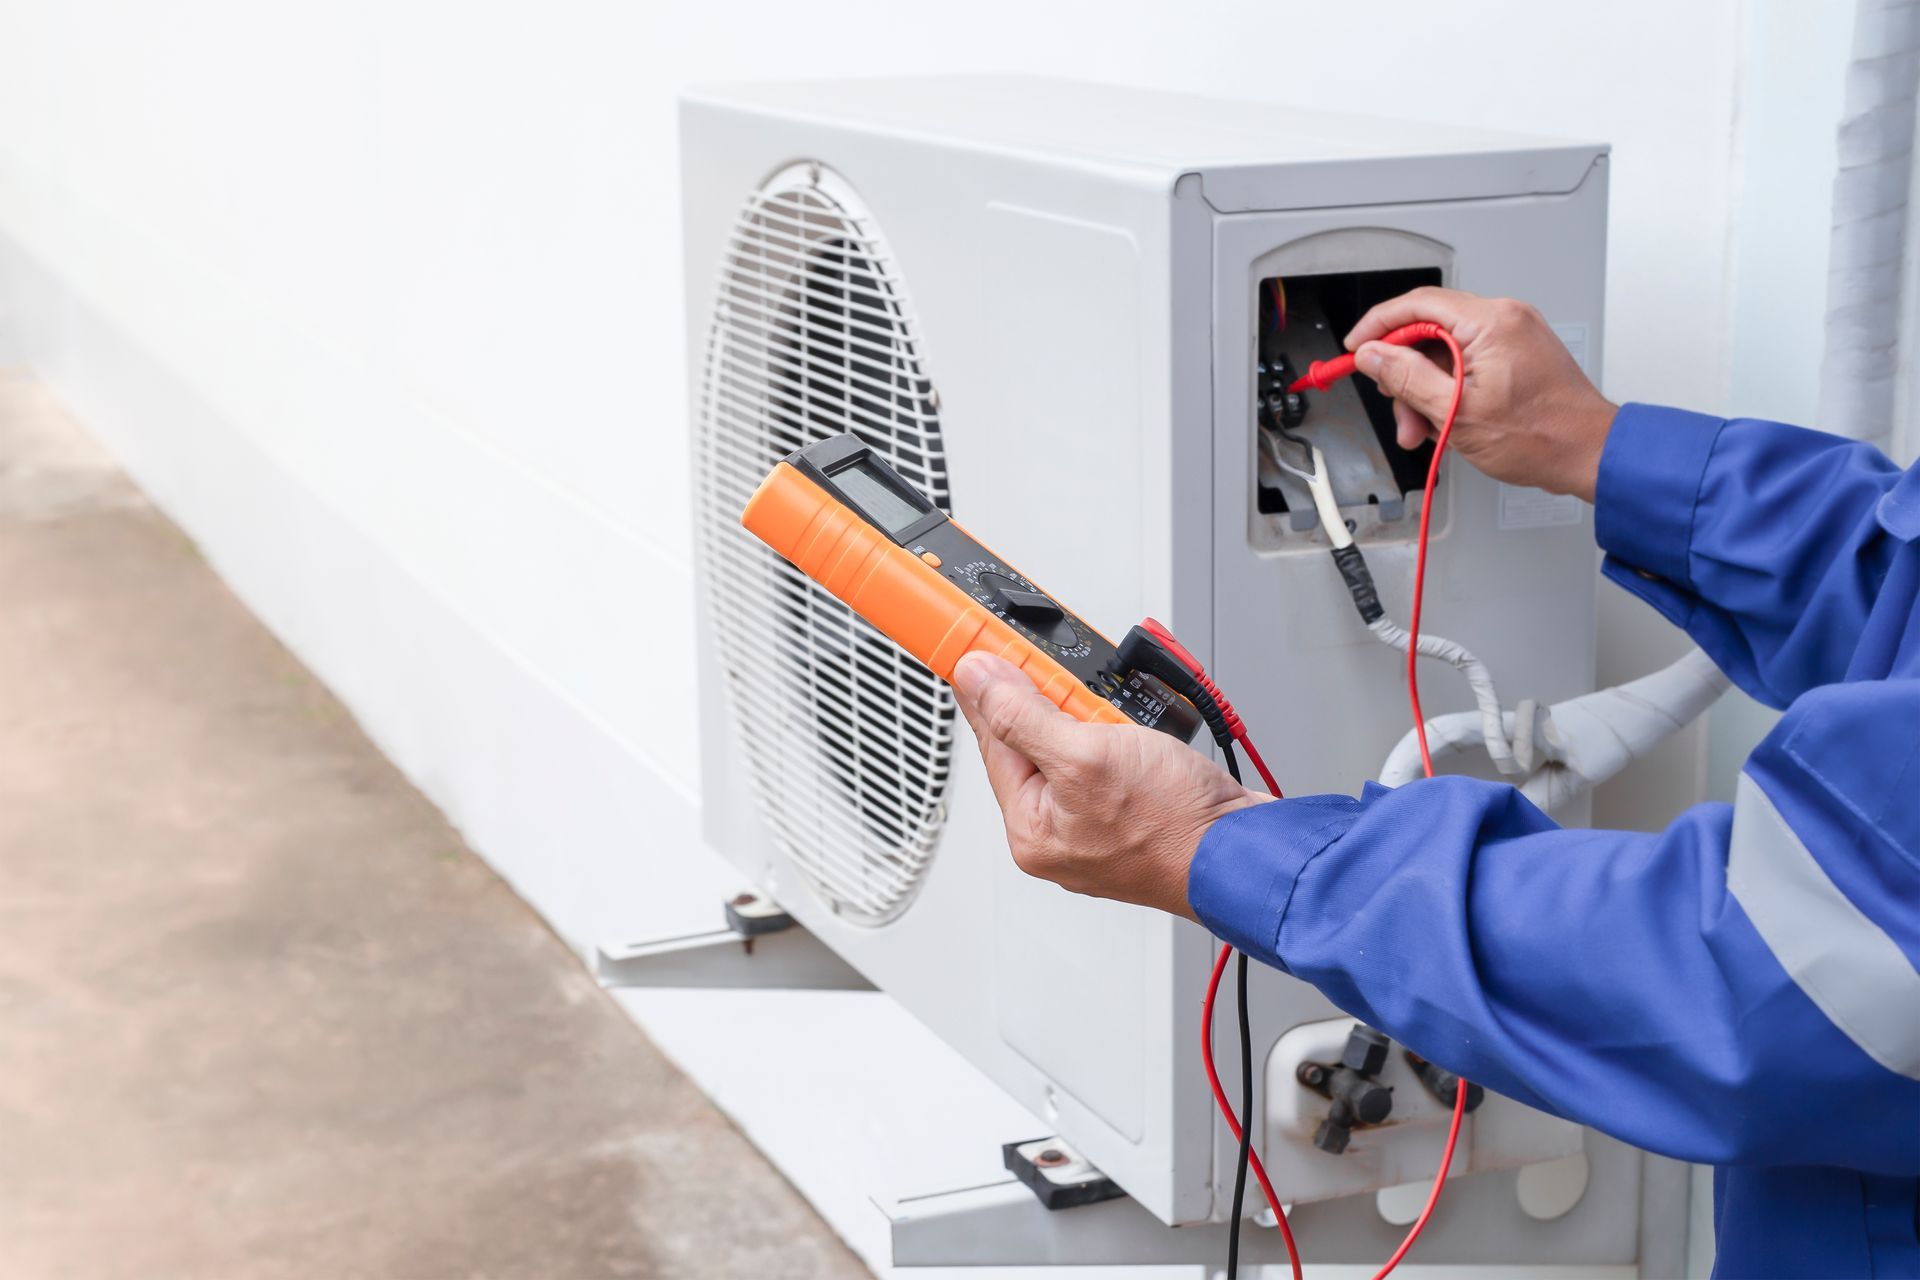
{"type": "Point", "coordinates": [1044, 303]}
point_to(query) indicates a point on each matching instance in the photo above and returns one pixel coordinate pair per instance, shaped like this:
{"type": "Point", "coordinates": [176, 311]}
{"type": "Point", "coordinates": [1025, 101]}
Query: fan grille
{"type": "Point", "coordinates": [848, 740]}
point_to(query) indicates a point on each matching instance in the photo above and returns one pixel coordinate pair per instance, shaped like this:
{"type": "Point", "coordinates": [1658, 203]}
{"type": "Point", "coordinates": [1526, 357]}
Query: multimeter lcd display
{"type": "Point", "coordinates": [884, 505]}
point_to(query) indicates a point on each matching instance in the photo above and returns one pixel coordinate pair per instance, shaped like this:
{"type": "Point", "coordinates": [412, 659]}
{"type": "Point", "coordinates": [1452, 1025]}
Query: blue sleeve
{"type": "Point", "coordinates": [1765, 542]}
{"type": "Point", "coordinates": [1608, 977]}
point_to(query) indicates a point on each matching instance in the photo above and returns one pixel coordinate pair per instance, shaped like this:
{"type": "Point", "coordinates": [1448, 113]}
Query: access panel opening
{"type": "Point", "coordinates": [1377, 484]}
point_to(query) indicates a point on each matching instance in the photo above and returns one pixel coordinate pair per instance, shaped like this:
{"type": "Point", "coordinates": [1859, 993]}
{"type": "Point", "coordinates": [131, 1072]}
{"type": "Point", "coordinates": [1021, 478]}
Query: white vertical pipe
{"type": "Point", "coordinates": [1859, 376]}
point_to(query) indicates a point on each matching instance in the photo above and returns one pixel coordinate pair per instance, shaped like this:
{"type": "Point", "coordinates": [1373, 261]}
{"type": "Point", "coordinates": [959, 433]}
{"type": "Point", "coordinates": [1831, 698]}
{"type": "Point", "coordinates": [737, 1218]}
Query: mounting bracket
{"type": "Point", "coordinates": [760, 947]}
{"type": "Point", "coordinates": [1005, 1223]}
{"type": "Point", "coordinates": [1058, 1175]}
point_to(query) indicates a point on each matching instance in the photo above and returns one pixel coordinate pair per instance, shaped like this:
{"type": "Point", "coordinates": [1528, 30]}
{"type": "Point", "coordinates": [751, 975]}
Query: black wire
{"type": "Point", "coordinates": [1246, 1113]}
{"type": "Point", "coordinates": [1246, 1081]}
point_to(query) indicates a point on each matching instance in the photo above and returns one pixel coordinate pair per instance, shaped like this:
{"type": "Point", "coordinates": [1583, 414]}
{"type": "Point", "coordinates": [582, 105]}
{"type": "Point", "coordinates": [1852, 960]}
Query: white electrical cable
{"type": "Point", "coordinates": [1515, 755]}
{"type": "Point", "coordinates": [1509, 755]}
{"type": "Point", "coordinates": [1583, 741]}
{"type": "Point", "coordinates": [1320, 485]}
{"type": "Point", "coordinates": [1560, 752]}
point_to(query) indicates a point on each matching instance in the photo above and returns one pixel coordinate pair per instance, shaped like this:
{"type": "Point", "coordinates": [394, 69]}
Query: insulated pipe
{"type": "Point", "coordinates": [1584, 741]}
{"type": "Point", "coordinates": [1871, 218]}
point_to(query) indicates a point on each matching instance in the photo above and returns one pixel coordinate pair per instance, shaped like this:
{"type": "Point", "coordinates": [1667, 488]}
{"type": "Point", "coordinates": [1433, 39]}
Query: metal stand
{"type": "Point", "coordinates": [1006, 1223]}
{"type": "Point", "coordinates": [761, 947]}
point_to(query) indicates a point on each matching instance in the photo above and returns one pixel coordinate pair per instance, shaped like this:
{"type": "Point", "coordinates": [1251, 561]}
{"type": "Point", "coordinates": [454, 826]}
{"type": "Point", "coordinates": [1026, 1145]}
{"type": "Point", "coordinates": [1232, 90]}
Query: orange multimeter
{"type": "Point", "coordinates": [854, 525]}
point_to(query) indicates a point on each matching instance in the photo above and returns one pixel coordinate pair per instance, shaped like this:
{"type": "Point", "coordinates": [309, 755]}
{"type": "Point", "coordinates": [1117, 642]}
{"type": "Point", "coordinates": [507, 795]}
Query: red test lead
{"type": "Point", "coordinates": [1321, 375]}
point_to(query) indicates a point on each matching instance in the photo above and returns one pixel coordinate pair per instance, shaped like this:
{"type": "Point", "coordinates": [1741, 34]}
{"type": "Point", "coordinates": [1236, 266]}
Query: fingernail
{"type": "Point", "coordinates": [970, 674]}
{"type": "Point", "coordinates": [1370, 360]}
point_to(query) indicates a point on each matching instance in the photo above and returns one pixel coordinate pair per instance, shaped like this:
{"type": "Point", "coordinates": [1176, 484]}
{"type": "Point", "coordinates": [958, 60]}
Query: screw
{"type": "Point", "coordinates": [1311, 1074]}
{"type": "Point", "coordinates": [745, 899]}
{"type": "Point", "coordinates": [1050, 1158]}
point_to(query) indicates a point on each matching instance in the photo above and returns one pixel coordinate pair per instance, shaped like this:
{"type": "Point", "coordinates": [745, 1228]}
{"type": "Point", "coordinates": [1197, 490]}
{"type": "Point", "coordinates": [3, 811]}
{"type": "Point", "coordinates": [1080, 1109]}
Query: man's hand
{"type": "Point", "coordinates": [1115, 811]}
{"type": "Point", "coordinates": [1527, 415]}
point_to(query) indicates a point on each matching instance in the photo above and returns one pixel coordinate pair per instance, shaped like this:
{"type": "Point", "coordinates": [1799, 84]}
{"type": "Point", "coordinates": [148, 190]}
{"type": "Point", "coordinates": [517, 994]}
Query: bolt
{"type": "Point", "coordinates": [745, 899]}
{"type": "Point", "coordinates": [1332, 1136]}
{"type": "Point", "coordinates": [1050, 1158]}
{"type": "Point", "coordinates": [1311, 1074]}
{"type": "Point", "coordinates": [1366, 1051]}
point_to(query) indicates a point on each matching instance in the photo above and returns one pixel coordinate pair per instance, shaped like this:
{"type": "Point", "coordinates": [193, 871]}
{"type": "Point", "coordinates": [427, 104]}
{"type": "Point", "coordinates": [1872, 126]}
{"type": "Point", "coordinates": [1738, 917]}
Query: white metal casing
{"type": "Point", "coordinates": [1082, 261]}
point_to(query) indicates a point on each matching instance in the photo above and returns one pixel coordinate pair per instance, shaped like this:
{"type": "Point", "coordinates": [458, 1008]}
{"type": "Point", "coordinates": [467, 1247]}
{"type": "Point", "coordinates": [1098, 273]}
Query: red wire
{"type": "Point", "coordinates": [1260, 766]}
{"type": "Point", "coordinates": [1420, 555]}
{"type": "Point", "coordinates": [1439, 1182]}
{"type": "Point", "coordinates": [1158, 630]}
{"type": "Point", "coordinates": [1320, 375]}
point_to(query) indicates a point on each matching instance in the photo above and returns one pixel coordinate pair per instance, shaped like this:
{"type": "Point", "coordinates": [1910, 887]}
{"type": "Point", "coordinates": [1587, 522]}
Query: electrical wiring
{"type": "Point", "coordinates": [1246, 1109]}
{"type": "Point", "coordinates": [1509, 756]}
{"type": "Point", "coordinates": [1245, 1136]}
{"type": "Point", "coordinates": [1321, 375]}
{"type": "Point", "coordinates": [1319, 485]}
{"type": "Point", "coordinates": [1187, 674]}
{"type": "Point", "coordinates": [1239, 1132]}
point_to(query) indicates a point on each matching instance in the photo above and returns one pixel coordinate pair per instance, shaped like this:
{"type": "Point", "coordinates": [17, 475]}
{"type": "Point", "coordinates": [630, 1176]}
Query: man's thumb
{"type": "Point", "coordinates": [1008, 707]}
{"type": "Point", "coordinates": [1407, 376]}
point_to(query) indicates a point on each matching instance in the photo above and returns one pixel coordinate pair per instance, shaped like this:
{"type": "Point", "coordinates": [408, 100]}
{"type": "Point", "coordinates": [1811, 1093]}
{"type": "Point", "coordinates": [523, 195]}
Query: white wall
{"type": "Point", "coordinates": [382, 302]}
{"type": "Point", "coordinates": [421, 256]}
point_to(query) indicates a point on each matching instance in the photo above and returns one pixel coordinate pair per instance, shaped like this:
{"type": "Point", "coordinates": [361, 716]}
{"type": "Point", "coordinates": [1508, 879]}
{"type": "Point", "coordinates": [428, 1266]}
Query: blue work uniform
{"type": "Point", "coordinates": [1738, 990]}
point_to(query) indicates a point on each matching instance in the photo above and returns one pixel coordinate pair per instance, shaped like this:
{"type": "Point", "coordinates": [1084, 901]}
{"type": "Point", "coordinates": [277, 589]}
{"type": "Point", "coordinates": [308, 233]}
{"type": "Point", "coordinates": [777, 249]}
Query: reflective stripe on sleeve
{"type": "Point", "coordinates": [1844, 962]}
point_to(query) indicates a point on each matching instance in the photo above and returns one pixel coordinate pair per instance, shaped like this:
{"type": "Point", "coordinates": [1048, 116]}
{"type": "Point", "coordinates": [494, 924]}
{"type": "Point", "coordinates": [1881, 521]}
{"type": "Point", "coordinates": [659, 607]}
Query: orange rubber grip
{"type": "Point", "coordinates": [896, 591]}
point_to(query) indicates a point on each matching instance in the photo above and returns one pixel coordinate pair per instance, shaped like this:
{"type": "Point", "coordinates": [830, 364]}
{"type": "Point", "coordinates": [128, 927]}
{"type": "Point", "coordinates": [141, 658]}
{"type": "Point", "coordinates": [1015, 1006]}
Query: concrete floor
{"type": "Point", "coordinates": [262, 1013]}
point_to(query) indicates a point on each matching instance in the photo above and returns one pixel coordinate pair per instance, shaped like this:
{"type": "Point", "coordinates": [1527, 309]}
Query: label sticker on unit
{"type": "Point", "coordinates": [1524, 508]}
{"type": "Point", "coordinates": [1575, 338]}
